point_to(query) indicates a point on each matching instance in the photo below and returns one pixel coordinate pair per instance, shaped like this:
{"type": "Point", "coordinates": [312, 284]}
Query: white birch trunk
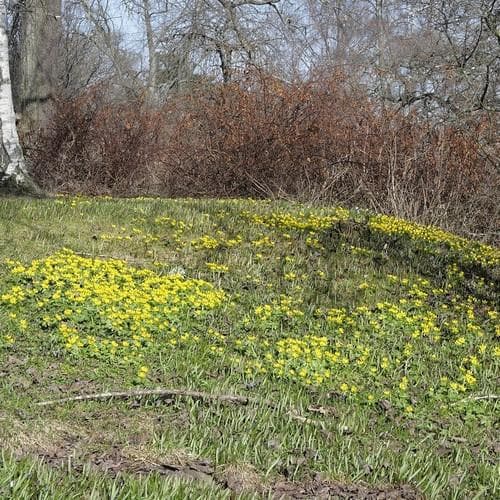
{"type": "Point", "coordinates": [12, 166]}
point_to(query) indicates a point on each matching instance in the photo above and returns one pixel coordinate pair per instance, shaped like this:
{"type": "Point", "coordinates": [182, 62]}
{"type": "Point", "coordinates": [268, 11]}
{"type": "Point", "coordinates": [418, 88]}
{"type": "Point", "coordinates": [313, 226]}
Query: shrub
{"type": "Point", "coordinates": [95, 146]}
{"type": "Point", "coordinates": [320, 141]}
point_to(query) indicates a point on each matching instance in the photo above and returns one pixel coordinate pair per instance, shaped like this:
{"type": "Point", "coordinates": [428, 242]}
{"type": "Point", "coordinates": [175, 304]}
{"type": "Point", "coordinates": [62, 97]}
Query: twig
{"type": "Point", "coordinates": [305, 420]}
{"type": "Point", "coordinates": [477, 398]}
{"type": "Point", "coordinates": [168, 393]}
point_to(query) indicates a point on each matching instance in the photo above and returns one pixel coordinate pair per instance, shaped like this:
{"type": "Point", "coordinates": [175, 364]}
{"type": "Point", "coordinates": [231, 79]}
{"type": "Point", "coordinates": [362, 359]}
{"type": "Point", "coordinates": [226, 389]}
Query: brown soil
{"type": "Point", "coordinates": [331, 490]}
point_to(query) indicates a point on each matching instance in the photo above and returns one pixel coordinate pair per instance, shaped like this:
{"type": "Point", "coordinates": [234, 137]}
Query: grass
{"type": "Point", "coordinates": [381, 334]}
{"type": "Point", "coordinates": [32, 479]}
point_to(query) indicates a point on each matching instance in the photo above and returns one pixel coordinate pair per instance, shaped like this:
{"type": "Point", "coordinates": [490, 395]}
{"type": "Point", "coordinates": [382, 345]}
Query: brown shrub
{"type": "Point", "coordinates": [317, 141]}
{"type": "Point", "coordinates": [320, 141]}
{"type": "Point", "coordinates": [93, 146]}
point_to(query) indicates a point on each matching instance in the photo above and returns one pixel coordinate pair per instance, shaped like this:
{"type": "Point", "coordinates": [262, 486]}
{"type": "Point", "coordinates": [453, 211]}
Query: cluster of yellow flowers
{"type": "Point", "coordinates": [436, 238]}
{"type": "Point", "coordinates": [470, 251]}
{"type": "Point", "coordinates": [108, 308]}
{"type": "Point", "coordinates": [299, 221]}
{"type": "Point", "coordinates": [123, 233]}
{"type": "Point", "coordinates": [281, 308]}
{"type": "Point", "coordinates": [369, 353]}
{"type": "Point", "coordinates": [217, 268]}
{"type": "Point", "coordinates": [401, 338]}
{"type": "Point", "coordinates": [210, 243]}
{"type": "Point", "coordinates": [178, 226]}
{"type": "Point", "coordinates": [73, 202]}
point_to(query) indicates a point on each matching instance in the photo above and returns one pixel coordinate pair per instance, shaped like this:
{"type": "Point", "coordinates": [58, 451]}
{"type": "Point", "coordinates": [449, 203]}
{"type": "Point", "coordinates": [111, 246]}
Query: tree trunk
{"type": "Point", "coordinates": [35, 72]}
{"type": "Point", "coordinates": [14, 177]}
{"type": "Point", "coordinates": [152, 56]}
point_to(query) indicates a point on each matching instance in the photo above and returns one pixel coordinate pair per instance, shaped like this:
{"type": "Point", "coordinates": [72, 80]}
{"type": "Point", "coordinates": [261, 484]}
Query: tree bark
{"type": "Point", "coordinates": [35, 72]}
{"type": "Point", "coordinates": [14, 178]}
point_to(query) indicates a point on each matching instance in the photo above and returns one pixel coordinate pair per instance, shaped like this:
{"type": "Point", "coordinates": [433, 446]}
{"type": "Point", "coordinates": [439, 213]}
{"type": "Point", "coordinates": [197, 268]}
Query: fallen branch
{"type": "Point", "coordinates": [170, 393]}
{"type": "Point", "coordinates": [159, 393]}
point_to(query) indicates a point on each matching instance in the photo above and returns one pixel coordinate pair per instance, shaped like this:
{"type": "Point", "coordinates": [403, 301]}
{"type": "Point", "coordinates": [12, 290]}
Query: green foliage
{"type": "Point", "coordinates": [386, 330]}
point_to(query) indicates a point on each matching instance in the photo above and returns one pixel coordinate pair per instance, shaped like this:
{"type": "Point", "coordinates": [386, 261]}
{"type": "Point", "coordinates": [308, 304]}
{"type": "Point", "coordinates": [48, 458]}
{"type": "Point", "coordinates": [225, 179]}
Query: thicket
{"type": "Point", "coordinates": [319, 141]}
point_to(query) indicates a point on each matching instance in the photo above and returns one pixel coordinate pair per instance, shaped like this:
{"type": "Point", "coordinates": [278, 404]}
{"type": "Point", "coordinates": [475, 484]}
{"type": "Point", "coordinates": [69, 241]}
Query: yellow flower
{"type": "Point", "coordinates": [219, 268]}
{"type": "Point", "coordinates": [469, 378]}
{"type": "Point", "coordinates": [403, 385]}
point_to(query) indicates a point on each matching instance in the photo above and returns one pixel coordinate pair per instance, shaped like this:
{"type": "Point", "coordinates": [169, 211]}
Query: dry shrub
{"type": "Point", "coordinates": [95, 146]}
{"type": "Point", "coordinates": [318, 141]}
{"type": "Point", "coordinates": [259, 138]}
{"type": "Point", "coordinates": [321, 141]}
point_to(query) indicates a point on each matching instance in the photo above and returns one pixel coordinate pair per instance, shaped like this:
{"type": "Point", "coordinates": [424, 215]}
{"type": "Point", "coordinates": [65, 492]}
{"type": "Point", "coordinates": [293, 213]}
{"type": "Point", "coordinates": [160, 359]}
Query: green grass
{"type": "Point", "coordinates": [29, 478]}
{"type": "Point", "coordinates": [381, 333]}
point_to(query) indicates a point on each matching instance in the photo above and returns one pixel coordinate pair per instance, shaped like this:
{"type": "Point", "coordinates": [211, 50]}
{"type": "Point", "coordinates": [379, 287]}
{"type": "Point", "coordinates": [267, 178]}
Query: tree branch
{"type": "Point", "coordinates": [172, 393]}
{"type": "Point", "coordinates": [239, 3]}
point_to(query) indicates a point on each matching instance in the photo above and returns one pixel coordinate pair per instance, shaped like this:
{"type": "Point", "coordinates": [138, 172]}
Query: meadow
{"type": "Point", "coordinates": [243, 349]}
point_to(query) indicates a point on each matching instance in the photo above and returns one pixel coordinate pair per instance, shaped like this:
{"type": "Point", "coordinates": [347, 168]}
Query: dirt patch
{"type": "Point", "coordinates": [319, 489]}
{"type": "Point", "coordinates": [245, 479]}
{"type": "Point", "coordinates": [115, 462]}
{"type": "Point", "coordinates": [241, 478]}
{"type": "Point", "coordinates": [54, 443]}
{"type": "Point", "coordinates": [236, 479]}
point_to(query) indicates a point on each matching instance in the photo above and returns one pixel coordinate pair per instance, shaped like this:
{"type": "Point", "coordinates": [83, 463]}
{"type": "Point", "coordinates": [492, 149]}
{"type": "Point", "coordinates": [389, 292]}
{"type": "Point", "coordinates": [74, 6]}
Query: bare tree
{"type": "Point", "coordinates": [223, 34]}
{"type": "Point", "coordinates": [80, 63]}
{"type": "Point", "coordinates": [100, 28]}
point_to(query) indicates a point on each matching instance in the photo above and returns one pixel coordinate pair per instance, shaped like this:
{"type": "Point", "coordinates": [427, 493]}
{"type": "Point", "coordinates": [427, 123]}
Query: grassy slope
{"type": "Point", "coordinates": [419, 420]}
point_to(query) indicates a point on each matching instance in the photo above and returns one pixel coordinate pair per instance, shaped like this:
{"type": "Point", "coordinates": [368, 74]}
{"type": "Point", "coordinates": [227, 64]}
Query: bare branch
{"type": "Point", "coordinates": [173, 393]}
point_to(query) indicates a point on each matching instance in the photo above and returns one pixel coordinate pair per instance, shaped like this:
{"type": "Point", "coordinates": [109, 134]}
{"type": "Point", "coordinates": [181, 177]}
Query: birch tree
{"type": "Point", "coordinates": [14, 177]}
